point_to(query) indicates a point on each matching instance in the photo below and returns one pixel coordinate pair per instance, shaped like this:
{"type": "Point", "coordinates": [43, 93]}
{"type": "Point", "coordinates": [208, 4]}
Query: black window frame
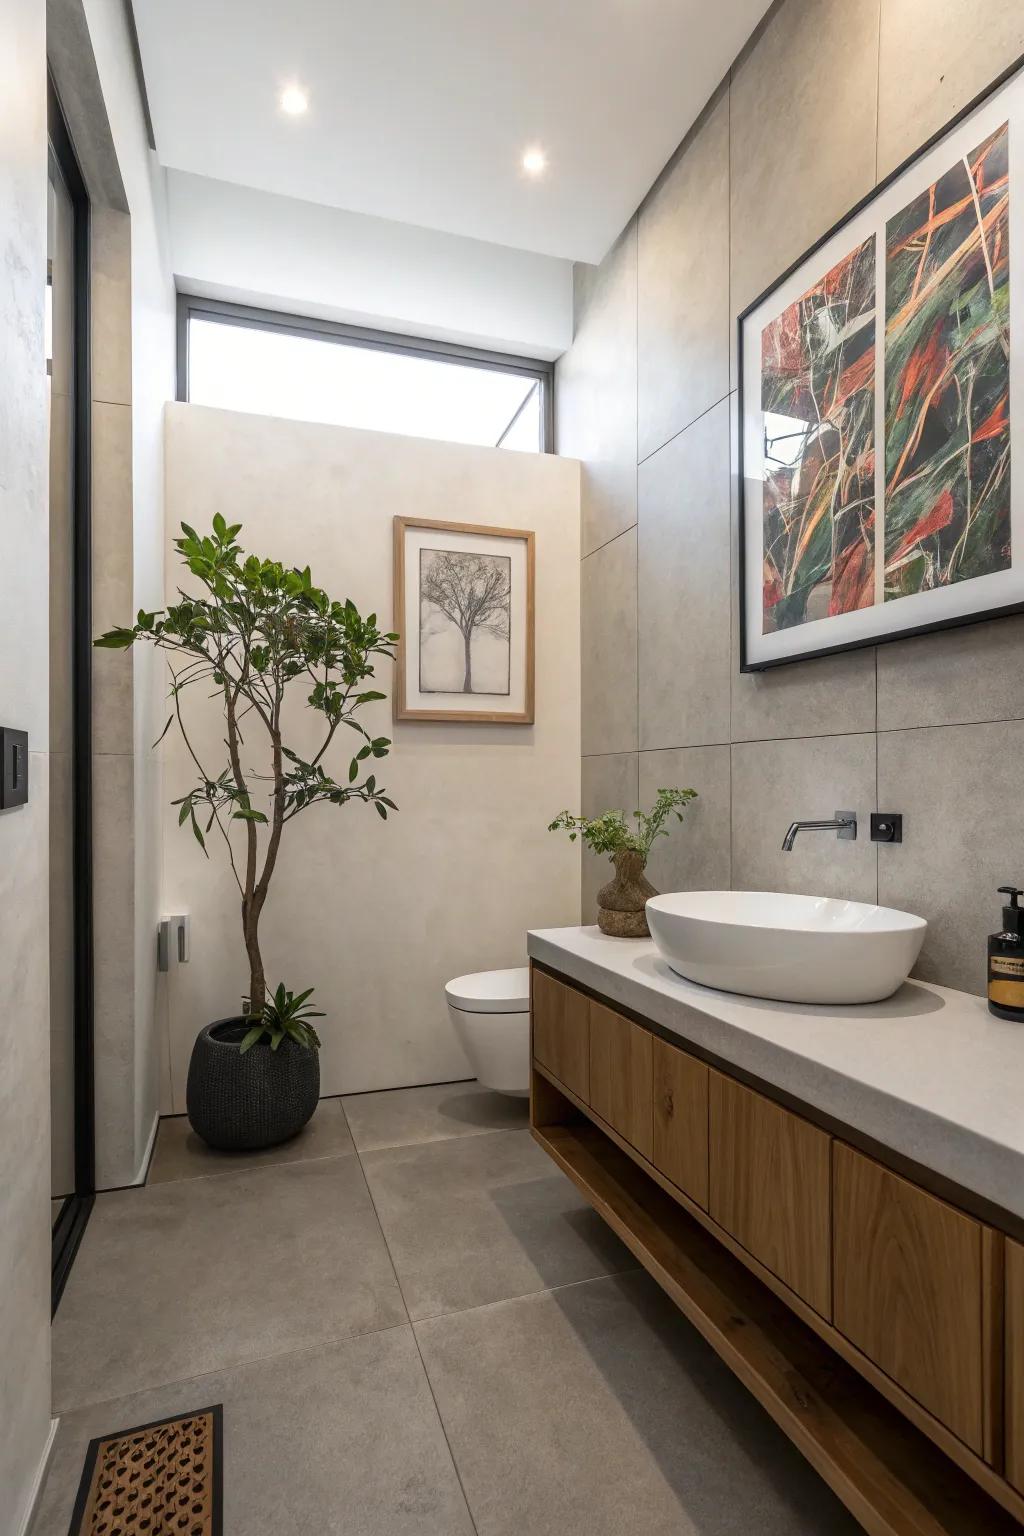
{"type": "Point", "coordinates": [254, 317]}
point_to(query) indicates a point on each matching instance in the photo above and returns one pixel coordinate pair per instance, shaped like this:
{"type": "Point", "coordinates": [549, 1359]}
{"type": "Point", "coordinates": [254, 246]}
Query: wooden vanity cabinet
{"type": "Point", "coordinates": [1015, 1365]}
{"type": "Point", "coordinates": [561, 1032]}
{"type": "Point", "coordinates": [769, 1187]}
{"type": "Point", "coordinates": [681, 1120]}
{"type": "Point", "coordinates": [874, 1320]}
{"type": "Point", "coordinates": [910, 1291]}
{"type": "Point", "coordinates": [621, 1089]}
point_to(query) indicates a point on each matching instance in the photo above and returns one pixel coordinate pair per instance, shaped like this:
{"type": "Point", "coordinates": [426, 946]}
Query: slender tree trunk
{"type": "Point", "coordinates": [467, 637]}
{"type": "Point", "coordinates": [257, 979]}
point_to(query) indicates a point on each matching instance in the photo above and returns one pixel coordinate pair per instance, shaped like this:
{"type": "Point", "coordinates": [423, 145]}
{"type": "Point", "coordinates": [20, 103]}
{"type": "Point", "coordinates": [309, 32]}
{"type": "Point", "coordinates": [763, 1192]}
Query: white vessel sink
{"type": "Point", "coordinates": [795, 949]}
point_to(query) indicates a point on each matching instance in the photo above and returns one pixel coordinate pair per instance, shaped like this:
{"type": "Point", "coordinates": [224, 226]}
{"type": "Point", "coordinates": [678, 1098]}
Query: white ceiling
{"type": "Point", "coordinates": [420, 110]}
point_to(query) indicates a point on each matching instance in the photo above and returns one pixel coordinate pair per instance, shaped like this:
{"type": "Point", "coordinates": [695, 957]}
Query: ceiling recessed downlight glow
{"type": "Point", "coordinates": [535, 162]}
{"type": "Point", "coordinates": [294, 100]}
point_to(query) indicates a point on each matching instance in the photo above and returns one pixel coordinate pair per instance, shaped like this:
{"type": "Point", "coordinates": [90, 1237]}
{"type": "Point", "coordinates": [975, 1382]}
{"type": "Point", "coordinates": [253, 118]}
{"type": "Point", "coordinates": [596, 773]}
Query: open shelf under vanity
{"type": "Point", "coordinates": [875, 1322]}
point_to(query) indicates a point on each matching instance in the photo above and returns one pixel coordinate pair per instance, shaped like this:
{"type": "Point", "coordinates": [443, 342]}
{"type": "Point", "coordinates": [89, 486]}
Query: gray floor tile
{"type": "Point", "coordinates": [597, 1410]}
{"type": "Point", "coordinates": [340, 1441]}
{"type": "Point", "coordinates": [481, 1218]}
{"type": "Point", "coordinates": [177, 1279]}
{"type": "Point", "coordinates": [179, 1153]}
{"type": "Point", "coordinates": [399, 1117]}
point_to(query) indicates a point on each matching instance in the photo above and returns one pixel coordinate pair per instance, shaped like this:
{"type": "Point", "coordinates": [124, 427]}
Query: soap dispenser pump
{"type": "Point", "coordinates": [1006, 960]}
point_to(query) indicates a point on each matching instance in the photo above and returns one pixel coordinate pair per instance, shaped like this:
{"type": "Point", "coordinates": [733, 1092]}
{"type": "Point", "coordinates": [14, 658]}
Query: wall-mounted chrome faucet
{"type": "Point", "coordinates": [843, 824]}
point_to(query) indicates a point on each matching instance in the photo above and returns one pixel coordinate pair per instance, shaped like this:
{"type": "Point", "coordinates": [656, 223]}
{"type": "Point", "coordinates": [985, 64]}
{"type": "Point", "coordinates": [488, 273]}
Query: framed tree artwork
{"type": "Point", "coordinates": [878, 494]}
{"type": "Point", "coordinates": [464, 611]}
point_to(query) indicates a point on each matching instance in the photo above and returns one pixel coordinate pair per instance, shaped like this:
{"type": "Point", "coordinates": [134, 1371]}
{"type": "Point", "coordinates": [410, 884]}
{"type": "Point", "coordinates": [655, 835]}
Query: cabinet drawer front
{"type": "Point", "coordinates": [769, 1187]}
{"type": "Point", "coordinates": [561, 1032]}
{"type": "Point", "coordinates": [1015, 1364]}
{"type": "Point", "coordinates": [908, 1289]}
{"type": "Point", "coordinates": [681, 1120]}
{"type": "Point", "coordinates": [620, 1076]}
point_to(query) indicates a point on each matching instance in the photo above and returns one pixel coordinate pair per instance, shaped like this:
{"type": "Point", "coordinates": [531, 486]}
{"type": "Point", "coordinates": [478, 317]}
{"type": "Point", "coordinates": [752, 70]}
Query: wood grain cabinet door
{"type": "Point", "coordinates": [561, 1032]}
{"type": "Point", "coordinates": [620, 1076]}
{"type": "Point", "coordinates": [909, 1289]}
{"type": "Point", "coordinates": [681, 1120]}
{"type": "Point", "coordinates": [769, 1187]}
{"type": "Point", "coordinates": [1015, 1365]}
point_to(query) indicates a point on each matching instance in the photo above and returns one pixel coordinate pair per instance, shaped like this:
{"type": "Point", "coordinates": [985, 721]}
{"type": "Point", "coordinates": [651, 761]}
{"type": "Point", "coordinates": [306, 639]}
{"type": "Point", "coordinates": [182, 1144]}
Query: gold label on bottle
{"type": "Point", "coordinates": [1003, 965]}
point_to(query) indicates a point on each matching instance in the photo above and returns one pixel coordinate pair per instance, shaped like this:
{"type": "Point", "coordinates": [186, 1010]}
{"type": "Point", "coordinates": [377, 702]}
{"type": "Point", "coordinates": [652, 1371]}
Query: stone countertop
{"type": "Point", "coordinates": [929, 1073]}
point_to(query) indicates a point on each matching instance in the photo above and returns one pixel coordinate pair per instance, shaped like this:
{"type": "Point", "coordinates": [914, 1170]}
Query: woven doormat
{"type": "Point", "coordinates": [161, 1479]}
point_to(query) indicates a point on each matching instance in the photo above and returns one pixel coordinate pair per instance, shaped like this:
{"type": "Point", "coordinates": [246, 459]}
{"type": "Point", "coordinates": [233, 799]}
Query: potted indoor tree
{"type": "Point", "coordinates": [251, 633]}
{"type": "Point", "coordinates": [621, 904]}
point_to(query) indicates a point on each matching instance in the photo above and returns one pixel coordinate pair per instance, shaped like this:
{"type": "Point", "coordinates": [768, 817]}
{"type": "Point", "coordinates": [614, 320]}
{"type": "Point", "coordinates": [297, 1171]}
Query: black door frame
{"type": "Point", "coordinates": [74, 1213]}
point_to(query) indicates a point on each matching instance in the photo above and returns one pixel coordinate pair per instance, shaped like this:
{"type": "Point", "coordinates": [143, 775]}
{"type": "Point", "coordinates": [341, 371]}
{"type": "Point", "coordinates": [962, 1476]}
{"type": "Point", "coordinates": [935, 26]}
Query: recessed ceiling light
{"type": "Point", "coordinates": [294, 100]}
{"type": "Point", "coordinates": [535, 162]}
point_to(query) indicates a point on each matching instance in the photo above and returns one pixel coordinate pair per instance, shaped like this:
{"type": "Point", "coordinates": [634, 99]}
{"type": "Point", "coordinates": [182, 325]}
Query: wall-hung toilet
{"type": "Point", "coordinates": [490, 1012]}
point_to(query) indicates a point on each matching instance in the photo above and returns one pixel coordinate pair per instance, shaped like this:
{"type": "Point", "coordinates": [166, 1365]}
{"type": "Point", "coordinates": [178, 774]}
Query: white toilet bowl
{"type": "Point", "coordinates": [490, 1013]}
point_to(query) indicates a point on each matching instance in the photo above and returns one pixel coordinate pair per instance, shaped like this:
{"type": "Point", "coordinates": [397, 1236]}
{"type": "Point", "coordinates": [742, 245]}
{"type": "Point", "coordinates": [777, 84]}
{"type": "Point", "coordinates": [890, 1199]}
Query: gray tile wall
{"type": "Point", "coordinates": [931, 727]}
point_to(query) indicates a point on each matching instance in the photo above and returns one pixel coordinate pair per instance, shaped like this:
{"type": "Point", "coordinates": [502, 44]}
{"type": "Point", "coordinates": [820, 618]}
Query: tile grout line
{"type": "Point", "coordinates": [699, 417]}
{"type": "Point", "coordinates": [598, 547]}
{"type": "Point", "coordinates": [544, 1290]}
{"type": "Point", "coordinates": [88, 1404]}
{"type": "Point", "coordinates": [756, 741]}
{"type": "Point", "coordinates": [444, 1430]}
{"type": "Point", "coordinates": [416, 1342]}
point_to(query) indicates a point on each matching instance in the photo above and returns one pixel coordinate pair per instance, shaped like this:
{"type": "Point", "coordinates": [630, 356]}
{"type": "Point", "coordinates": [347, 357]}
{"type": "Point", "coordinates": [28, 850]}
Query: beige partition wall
{"type": "Point", "coordinates": [379, 915]}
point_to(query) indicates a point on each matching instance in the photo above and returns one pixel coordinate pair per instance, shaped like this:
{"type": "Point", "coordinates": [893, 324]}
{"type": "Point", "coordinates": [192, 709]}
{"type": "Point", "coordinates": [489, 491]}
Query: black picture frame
{"type": "Point", "coordinates": [746, 664]}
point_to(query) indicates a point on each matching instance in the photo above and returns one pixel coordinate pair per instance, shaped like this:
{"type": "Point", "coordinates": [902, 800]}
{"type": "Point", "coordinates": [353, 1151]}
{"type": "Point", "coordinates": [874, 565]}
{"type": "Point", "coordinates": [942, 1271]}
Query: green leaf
{"type": "Point", "coordinates": [163, 733]}
{"type": "Point", "coordinates": [115, 640]}
{"type": "Point", "coordinates": [250, 1039]}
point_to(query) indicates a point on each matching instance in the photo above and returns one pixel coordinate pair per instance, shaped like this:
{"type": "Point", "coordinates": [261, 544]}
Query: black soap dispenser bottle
{"type": "Point", "coordinates": [1006, 960]}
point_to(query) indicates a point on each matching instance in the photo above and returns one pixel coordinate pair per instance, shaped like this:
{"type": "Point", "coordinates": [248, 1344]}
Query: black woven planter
{"type": "Point", "coordinates": [238, 1103]}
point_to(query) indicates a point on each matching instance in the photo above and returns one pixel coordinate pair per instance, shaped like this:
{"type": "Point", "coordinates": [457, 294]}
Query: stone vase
{"type": "Point", "coordinates": [621, 903]}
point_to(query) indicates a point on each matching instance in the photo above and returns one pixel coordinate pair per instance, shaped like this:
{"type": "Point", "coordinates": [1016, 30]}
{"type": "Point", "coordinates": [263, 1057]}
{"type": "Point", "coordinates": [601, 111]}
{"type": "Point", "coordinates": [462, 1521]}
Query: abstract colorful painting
{"type": "Point", "coordinates": [880, 405]}
{"type": "Point", "coordinates": [947, 377]}
{"type": "Point", "coordinates": [818, 400]}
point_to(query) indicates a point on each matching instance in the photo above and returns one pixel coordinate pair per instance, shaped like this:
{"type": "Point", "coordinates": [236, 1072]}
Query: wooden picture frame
{"type": "Point", "coordinates": [882, 538]}
{"type": "Point", "coordinates": [467, 568]}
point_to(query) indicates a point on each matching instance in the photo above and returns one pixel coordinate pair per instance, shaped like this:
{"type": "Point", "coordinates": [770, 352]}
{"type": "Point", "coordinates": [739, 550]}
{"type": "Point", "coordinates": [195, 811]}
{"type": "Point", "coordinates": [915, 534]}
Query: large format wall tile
{"type": "Point", "coordinates": [695, 855]}
{"type": "Point", "coordinates": [776, 782]}
{"type": "Point", "coordinates": [112, 573]}
{"type": "Point", "coordinates": [595, 388]}
{"type": "Point", "coordinates": [802, 141]}
{"type": "Point", "coordinates": [609, 676]}
{"type": "Point", "coordinates": [609, 784]}
{"type": "Point", "coordinates": [958, 789]}
{"type": "Point", "coordinates": [110, 303]}
{"type": "Point", "coordinates": [683, 587]}
{"type": "Point", "coordinates": [831, 695]}
{"type": "Point", "coordinates": [683, 322]}
{"type": "Point", "coordinates": [927, 73]}
{"type": "Point", "coordinates": [953, 677]}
